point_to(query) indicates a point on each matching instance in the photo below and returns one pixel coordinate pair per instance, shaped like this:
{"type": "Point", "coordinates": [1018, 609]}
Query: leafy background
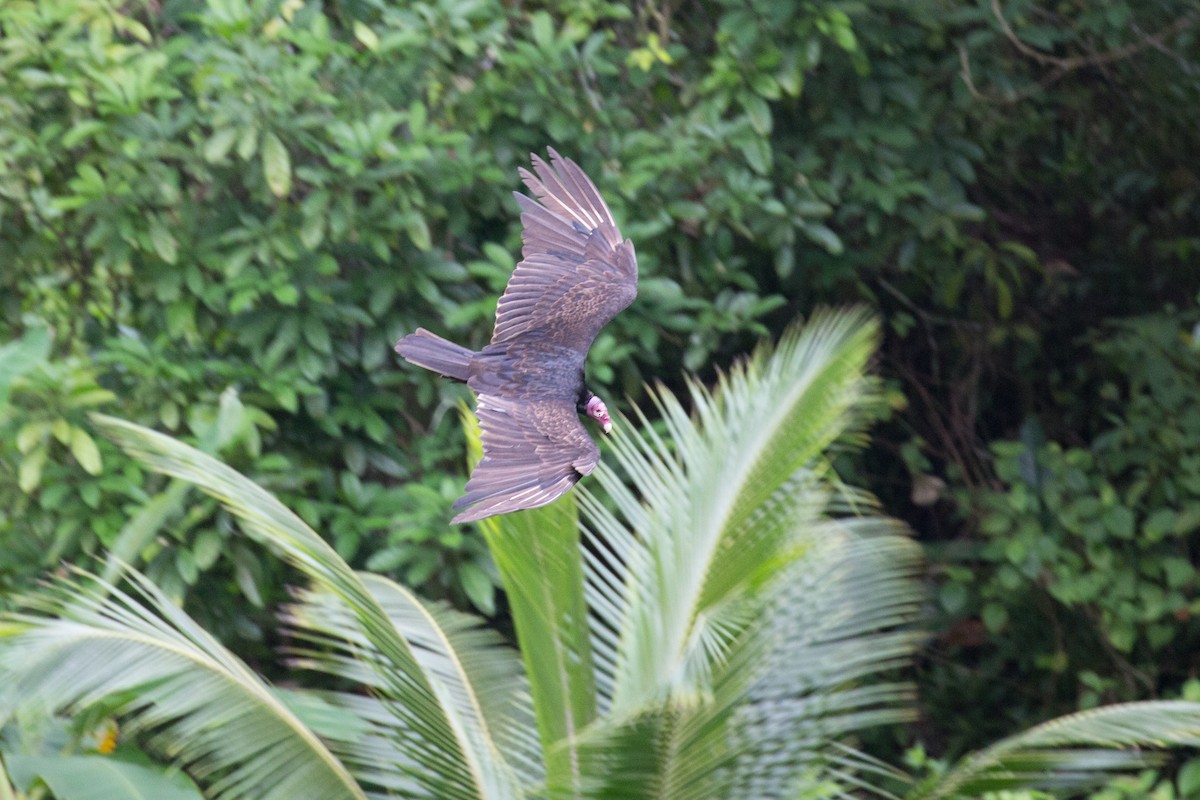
{"type": "Point", "coordinates": [216, 220]}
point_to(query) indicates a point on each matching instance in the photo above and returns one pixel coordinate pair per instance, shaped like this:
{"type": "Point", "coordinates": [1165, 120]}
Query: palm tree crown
{"type": "Point", "coordinates": [710, 620]}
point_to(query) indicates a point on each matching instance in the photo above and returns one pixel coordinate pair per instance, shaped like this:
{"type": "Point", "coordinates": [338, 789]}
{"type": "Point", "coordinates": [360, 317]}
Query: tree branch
{"type": "Point", "coordinates": [1096, 59]}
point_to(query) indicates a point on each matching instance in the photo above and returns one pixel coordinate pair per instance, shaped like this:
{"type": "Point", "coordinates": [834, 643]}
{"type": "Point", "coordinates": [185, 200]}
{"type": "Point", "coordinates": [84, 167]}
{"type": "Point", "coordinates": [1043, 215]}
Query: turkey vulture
{"type": "Point", "coordinates": [576, 274]}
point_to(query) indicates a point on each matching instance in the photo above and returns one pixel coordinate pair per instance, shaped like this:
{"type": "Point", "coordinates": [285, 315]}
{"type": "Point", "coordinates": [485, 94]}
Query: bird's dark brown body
{"type": "Point", "coordinates": [576, 274]}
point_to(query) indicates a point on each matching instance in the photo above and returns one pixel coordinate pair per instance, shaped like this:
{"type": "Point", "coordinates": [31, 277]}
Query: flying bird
{"type": "Point", "coordinates": [576, 274]}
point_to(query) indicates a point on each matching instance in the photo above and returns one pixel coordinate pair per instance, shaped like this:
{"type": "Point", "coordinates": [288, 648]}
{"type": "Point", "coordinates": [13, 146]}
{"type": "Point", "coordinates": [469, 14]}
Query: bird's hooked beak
{"type": "Point", "coordinates": [599, 412]}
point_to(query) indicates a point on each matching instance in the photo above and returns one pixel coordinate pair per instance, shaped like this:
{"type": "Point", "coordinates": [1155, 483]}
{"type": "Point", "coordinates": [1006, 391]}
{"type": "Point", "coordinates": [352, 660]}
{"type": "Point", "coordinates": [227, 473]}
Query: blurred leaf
{"type": "Point", "coordinates": [84, 449]}
{"type": "Point", "coordinates": [277, 165]}
{"type": "Point", "coordinates": [21, 356]}
{"type": "Point", "coordinates": [219, 144]}
{"type": "Point", "coordinates": [164, 243]}
{"type": "Point", "coordinates": [29, 474]}
{"type": "Point", "coordinates": [93, 777]}
{"type": "Point", "coordinates": [364, 34]}
{"type": "Point", "coordinates": [478, 586]}
{"type": "Point", "coordinates": [418, 231]}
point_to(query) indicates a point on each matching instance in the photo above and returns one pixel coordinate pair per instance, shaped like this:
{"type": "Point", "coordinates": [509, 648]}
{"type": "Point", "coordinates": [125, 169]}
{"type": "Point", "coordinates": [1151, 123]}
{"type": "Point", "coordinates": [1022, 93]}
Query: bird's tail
{"type": "Point", "coordinates": [432, 352]}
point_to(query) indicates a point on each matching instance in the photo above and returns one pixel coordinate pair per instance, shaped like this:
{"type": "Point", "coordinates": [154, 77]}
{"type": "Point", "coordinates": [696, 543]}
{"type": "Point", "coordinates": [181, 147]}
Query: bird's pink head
{"type": "Point", "coordinates": [598, 411]}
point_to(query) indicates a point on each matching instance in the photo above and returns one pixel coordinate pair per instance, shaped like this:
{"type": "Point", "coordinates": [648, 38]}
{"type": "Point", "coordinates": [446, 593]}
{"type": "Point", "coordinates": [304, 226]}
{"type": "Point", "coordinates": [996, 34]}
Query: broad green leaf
{"type": "Point", "coordinates": [537, 552]}
{"type": "Point", "coordinates": [29, 474]}
{"type": "Point", "coordinates": [364, 34]}
{"type": "Point", "coordinates": [541, 26]}
{"type": "Point", "coordinates": [538, 555]}
{"type": "Point", "coordinates": [140, 530]}
{"type": "Point", "coordinates": [418, 231]}
{"type": "Point", "coordinates": [84, 449]}
{"type": "Point", "coordinates": [91, 396]}
{"type": "Point", "coordinates": [277, 165]}
{"type": "Point", "coordinates": [61, 429]}
{"type": "Point", "coordinates": [1189, 778]}
{"type": "Point", "coordinates": [287, 294]}
{"type": "Point", "coordinates": [32, 433]}
{"type": "Point", "coordinates": [825, 237]}
{"type": "Point", "coordinates": [21, 356]}
{"type": "Point", "coordinates": [758, 111]}
{"type": "Point", "coordinates": [163, 240]}
{"type": "Point", "coordinates": [82, 131]}
{"type": "Point", "coordinates": [219, 144]}
{"type": "Point", "coordinates": [478, 586]}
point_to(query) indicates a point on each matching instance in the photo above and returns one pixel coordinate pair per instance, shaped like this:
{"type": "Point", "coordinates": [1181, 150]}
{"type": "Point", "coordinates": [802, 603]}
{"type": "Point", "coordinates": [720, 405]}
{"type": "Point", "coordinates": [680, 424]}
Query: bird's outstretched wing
{"type": "Point", "coordinates": [576, 272]}
{"type": "Point", "coordinates": [533, 452]}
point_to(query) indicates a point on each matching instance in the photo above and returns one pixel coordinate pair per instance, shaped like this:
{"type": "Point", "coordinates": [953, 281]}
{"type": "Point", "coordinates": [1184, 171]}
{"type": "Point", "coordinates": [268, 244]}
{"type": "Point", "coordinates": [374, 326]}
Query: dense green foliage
{"type": "Point", "coordinates": [216, 219]}
{"type": "Point", "coordinates": [1088, 547]}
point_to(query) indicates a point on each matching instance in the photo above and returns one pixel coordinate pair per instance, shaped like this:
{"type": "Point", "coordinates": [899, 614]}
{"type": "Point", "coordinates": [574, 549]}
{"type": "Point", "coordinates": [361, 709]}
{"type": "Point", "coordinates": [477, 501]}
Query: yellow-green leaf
{"type": "Point", "coordinates": [641, 58]}
{"type": "Point", "coordinates": [164, 243]}
{"type": "Point", "coordinates": [418, 231]}
{"type": "Point", "coordinates": [61, 430]}
{"type": "Point", "coordinates": [91, 396]}
{"type": "Point", "coordinates": [219, 144]}
{"type": "Point", "coordinates": [135, 29]}
{"type": "Point", "coordinates": [655, 47]}
{"type": "Point", "coordinates": [368, 37]}
{"type": "Point", "coordinates": [312, 233]}
{"type": "Point", "coordinates": [83, 447]}
{"type": "Point", "coordinates": [30, 434]}
{"type": "Point", "coordinates": [29, 475]}
{"type": "Point", "coordinates": [277, 165]}
{"type": "Point", "coordinates": [168, 414]}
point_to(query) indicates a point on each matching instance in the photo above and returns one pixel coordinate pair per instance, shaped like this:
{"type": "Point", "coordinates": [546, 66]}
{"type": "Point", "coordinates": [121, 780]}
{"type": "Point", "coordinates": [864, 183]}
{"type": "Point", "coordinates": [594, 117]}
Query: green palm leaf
{"type": "Point", "coordinates": [1072, 751]}
{"type": "Point", "coordinates": [7, 792]}
{"type": "Point", "coordinates": [541, 567]}
{"type": "Point", "coordinates": [94, 777]}
{"type": "Point", "coordinates": [481, 679]}
{"type": "Point", "coordinates": [538, 555]}
{"type": "Point", "coordinates": [725, 501]}
{"type": "Point", "coordinates": [713, 629]}
{"type": "Point", "coordinates": [204, 707]}
{"type": "Point", "coordinates": [458, 757]}
{"type": "Point", "coordinates": [735, 605]}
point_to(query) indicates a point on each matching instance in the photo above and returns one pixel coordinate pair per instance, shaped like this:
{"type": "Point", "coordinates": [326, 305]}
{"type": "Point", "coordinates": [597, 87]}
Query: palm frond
{"type": "Point", "coordinates": [98, 777]}
{"type": "Point", "coordinates": [458, 757]}
{"type": "Point", "coordinates": [724, 500]}
{"type": "Point", "coordinates": [837, 620]}
{"type": "Point", "coordinates": [541, 568]}
{"type": "Point", "coordinates": [479, 677]}
{"type": "Point", "coordinates": [538, 555]}
{"type": "Point", "coordinates": [88, 641]}
{"type": "Point", "coordinates": [1072, 751]}
{"type": "Point", "coordinates": [735, 611]}
{"type": "Point", "coordinates": [7, 792]}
